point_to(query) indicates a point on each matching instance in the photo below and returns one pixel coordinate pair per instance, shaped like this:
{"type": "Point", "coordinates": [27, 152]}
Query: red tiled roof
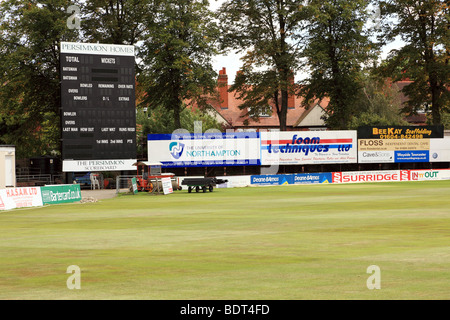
{"type": "Point", "coordinates": [228, 107]}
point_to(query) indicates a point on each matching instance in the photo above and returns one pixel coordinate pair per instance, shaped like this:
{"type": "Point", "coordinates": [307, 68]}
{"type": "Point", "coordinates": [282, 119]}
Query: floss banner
{"type": "Point", "coordinates": [201, 150]}
{"type": "Point", "coordinates": [20, 197]}
{"type": "Point", "coordinates": [308, 147]}
{"type": "Point", "coordinates": [393, 150]}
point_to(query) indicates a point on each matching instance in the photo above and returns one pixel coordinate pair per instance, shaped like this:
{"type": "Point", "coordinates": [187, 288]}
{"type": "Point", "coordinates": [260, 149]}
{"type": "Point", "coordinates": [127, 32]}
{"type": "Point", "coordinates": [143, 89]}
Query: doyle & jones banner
{"type": "Point", "coordinates": [208, 149]}
{"type": "Point", "coordinates": [300, 178]}
{"type": "Point", "coordinates": [20, 197]}
{"type": "Point", "coordinates": [61, 193]}
{"type": "Point", "coordinates": [308, 147]}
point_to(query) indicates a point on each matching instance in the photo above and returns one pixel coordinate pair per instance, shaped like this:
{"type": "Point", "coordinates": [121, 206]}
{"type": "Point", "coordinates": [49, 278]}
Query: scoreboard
{"type": "Point", "coordinates": [98, 113]}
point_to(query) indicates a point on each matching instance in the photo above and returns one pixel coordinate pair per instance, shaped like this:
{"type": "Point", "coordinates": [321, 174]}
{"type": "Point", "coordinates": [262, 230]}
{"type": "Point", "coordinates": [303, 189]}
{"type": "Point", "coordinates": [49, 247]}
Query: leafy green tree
{"type": "Point", "coordinates": [176, 56]}
{"type": "Point", "coordinates": [446, 120]}
{"type": "Point", "coordinates": [160, 120]}
{"type": "Point", "coordinates": [337, 45]}
{"type": "Point", "coordinates": [115, 21]}
{"type": "Point", "coordinates": [424, 26]}
{"type": "Point", "coordinates": [268, 32]}
{"type": "Point", "coordinates": [30, 33]}
{"type": "Point", "coordinates": [379, 103]}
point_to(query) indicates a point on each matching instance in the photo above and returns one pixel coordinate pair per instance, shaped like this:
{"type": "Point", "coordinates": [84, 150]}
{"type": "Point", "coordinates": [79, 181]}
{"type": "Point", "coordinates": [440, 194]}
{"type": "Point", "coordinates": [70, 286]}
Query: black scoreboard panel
{"type": "Point", "coordinates": [98, 116]}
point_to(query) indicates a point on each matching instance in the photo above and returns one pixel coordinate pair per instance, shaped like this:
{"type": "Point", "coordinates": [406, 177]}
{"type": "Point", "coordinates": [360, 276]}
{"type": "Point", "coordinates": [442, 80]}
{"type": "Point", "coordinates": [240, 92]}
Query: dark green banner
{"type": "Point", "coordinates": [61, 193]}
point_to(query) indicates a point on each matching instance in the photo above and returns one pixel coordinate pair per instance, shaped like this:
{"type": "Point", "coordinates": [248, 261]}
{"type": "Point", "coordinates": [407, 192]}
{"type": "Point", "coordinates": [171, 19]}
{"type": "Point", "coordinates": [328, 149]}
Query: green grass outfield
{"type": "Point", "coordinates": [288, 242]}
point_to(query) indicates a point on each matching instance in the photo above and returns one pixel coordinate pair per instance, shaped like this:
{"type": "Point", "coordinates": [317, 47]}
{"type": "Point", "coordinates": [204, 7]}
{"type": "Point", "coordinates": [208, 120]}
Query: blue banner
{"type": "Point", "coordinates": [300, 178]}
{"type": "Point", "coordinates": [276, 179]}
{"type": "Point", "coordinates": [306, 178]}
{"type": "Point", "coordinates": [412, 156]}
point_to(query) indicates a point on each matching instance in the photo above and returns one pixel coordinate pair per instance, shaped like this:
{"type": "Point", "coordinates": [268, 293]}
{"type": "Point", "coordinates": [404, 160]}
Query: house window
{"type": "Point", "coordinates": [262, 112]}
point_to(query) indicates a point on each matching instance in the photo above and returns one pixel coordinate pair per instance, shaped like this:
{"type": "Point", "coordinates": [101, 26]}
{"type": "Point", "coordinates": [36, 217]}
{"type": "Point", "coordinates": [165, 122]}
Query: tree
{"type": "Point", "coordinates": [176, 56]}
{"type": "Point", "coordinates": [424, 26]}
{"type": "Point", "coordinates": [268, 30]}
{"type": "Point", "coordinates": [337, 45]}
{"type": "Point", "coordinates": [159, 120]}
{"type": "Point", "coordinates": [378, 103]}
{"type": "Point", "coordinates": [115, 21]}
{"type": "Point", "coordinates": [29, 73]}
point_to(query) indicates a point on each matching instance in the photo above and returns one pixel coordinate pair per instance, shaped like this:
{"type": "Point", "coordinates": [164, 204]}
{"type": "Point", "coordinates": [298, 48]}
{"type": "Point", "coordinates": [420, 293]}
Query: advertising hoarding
{"type": "Point", "coordinates": [299, 178]}
{"type": "Point", "coordinates": [208, 149]}
{"type": "Point", "coordinates": [426, 175]}
{"type": "Point", "coordinates": [393, 150]}
{"type": "Point", "coordinates": [167, 185]}
{"type": "Point", "coordinates": [20, 197]}
{"type": "Point", "coordinates": [440, 150]}
{"type": "Point", "coordinates": [308, 147]}
{"type": "Point", "coordinates": [400, 132]}
{"type": "Point", "coordinates": [61, 193]}
{"type": "Point", "coordinates": [367, 176]}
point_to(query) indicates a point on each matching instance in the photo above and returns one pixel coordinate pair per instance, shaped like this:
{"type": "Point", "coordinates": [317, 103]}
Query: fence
{"type": "Point", "coordinates": [34, 179]}
{"type": "Point", "coordinates": [123, 183]}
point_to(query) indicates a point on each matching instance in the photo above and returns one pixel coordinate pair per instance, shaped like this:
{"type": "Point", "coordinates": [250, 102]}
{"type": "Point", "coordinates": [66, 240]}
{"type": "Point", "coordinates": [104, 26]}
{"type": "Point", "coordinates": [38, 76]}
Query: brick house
{"type": "Point", "coordinates": [226, 111]}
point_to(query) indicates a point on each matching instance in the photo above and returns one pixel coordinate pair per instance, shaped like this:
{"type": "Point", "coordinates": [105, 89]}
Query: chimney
{"type": "Point", "coordinates": [223, 88]}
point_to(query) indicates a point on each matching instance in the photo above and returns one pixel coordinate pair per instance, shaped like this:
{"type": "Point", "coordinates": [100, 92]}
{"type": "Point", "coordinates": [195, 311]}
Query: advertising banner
{"type": "Point", "coordinates": [65, 193]}
{"type": "Point", "coordinates": [208, 149]}
{"type": "Point", "coordinates": [134, 186]}
{"type": "Point", "coordinates": [393, 150]}
{"type": "Point", "coordinates": [300, 178]}
{"type": "Point", "coordinates": [167, 185]}
{"type": "Point", "coordinates": [307, 178]}
{"type": "Point", "coordinates": [308, 147]}
{"type": "Point", "coordinates": [367, 176]}
{"type": "Point", "coordinates": [426, 175]}
{"type": "Point", "coordinates": [400, 132]}
{"type": "Point", "coordinates": [20, 197]}
{"type": "Point", "coordinates": [276, 179]}
{"type": "Point", "coordinates": [440, 150]}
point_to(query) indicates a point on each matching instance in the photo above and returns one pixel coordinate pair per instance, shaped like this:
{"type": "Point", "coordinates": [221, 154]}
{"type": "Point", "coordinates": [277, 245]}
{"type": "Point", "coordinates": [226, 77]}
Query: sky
{"type": "Point", "coordinates": [231, 61]}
